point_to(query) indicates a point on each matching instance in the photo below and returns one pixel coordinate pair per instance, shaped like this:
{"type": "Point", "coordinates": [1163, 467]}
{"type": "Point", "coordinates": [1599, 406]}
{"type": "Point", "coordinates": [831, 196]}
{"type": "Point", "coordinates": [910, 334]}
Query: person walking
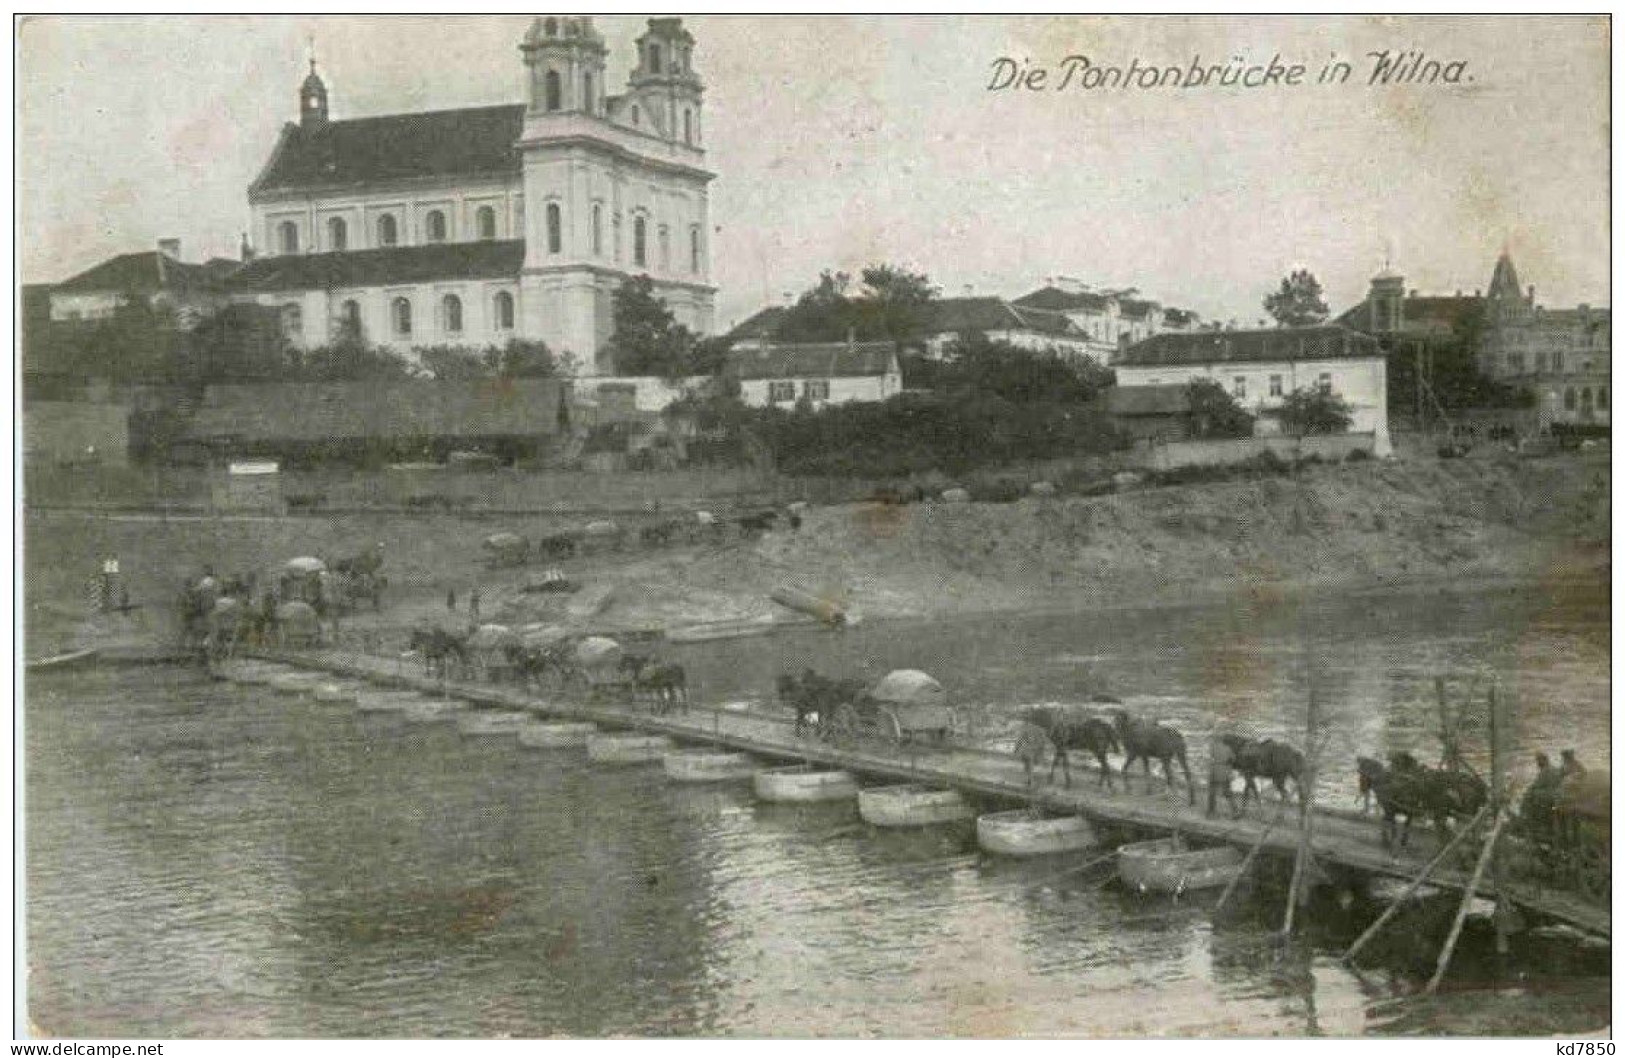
{"type": "Point", "coordinates": [1221, 763]}
{"type": "Point", "coordinates": [1571, 764]}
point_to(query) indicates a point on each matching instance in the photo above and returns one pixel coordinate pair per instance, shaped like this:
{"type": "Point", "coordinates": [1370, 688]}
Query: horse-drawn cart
{"type": "Point", "coordinates": [903, 706]}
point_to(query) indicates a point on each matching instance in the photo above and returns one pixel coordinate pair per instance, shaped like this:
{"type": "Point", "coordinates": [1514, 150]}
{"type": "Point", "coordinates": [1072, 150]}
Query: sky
{"type": "Point", "coordinates": [843, 141]}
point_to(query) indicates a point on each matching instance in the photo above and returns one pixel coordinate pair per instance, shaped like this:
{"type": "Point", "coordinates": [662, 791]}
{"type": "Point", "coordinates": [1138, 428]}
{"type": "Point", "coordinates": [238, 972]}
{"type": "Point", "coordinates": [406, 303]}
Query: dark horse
{"type": "Point", "coordinates": [440, 649]}
{"type": "Point", "coordinates": [1147, 740]}
{"type": "Point", "coordinates": [1275, 761]}
{"type": "Point", "coordinates": [812, 695]}
{"type": "Point", "coordinates": [1407, 788]}
{"type": "Point", "coordinates": [1068, 730]}
{"type": "Point", "coordinates": [667, 685]}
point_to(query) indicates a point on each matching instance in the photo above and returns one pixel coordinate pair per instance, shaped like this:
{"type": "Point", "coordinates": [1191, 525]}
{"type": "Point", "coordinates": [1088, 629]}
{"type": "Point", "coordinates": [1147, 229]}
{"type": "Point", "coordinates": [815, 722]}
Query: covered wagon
{"type": "Point", "coordinates": [598, 663]}
{"type": "Point", "coordinates": [903, 706]}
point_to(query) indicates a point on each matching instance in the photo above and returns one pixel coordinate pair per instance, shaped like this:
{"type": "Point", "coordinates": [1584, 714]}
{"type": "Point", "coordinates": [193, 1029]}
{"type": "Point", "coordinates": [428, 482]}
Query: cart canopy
{"type": "Point", "coordinates": [909, 687]}
{"type": "Point", "coordinates": [598, 652]}
{"type": "Point", "coordinates": [305, 564]}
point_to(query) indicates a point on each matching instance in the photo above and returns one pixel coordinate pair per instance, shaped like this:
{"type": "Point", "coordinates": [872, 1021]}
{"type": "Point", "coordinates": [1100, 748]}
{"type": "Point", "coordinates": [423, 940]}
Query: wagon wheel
{"type": "Point", "coordinates": [1592, 871]}
{"type": "Point", "coordinates": [890, 726]}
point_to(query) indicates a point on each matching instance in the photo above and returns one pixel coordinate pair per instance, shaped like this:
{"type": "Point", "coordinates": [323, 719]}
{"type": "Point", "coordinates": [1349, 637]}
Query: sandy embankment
{"type": "Point", "coordinates": [1353, 528]}
{"type": "Point", "coordinates": [1358, 527]}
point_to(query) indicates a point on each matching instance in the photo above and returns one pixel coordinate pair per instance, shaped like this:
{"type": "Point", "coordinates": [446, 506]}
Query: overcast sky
{"type": "Point", "coordinates": [842, 141]}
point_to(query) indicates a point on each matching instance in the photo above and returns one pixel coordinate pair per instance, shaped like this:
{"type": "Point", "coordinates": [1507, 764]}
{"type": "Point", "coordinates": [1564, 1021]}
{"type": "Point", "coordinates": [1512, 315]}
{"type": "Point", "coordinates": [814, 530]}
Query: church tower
{"type": "Point", "coordinates": [1506, 301]}
{"type": "Point", "coordinates": [613, 186]}
{"type": "Point", "coordinates": [1387, 302]}
{"type": "Point", "coordinates": [664, 86]}
{"type": "Point", "coordinates": [312, 100]}
{"type": "Point", "coordinates": [564, 60]}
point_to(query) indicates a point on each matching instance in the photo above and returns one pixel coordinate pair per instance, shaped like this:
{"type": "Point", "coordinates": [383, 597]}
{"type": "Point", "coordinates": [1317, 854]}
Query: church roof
{"type": "Point", "coordinates": [1278, 344]}
{"type": "Point", "coordinates": [145, 273]}
{"type": "Point", "coordinates": [472, 141]}
{"type": "Point", "coordinates": [814, 360]}
{"type": "Point", "coordinates": [490, 259]}
{"type": "Point", "coordinates": [1419, 313]}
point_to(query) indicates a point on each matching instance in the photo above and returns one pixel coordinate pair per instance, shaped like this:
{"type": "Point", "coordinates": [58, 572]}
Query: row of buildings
{"type": "Point", "coordinates": [474, 226]}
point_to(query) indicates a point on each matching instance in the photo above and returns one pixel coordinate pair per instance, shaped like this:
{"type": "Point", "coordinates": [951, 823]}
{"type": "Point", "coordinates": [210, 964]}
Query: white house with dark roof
{"type": "Point", "coordinates": [818, 373]}
{"type": "Point", "coordinates": [477, 225]}
{"type": "Point", "coordinates": [1106, 321]}
{"type": "Point", "coordinates": [157, 277]}
{"type": "Point", "coordinates": [1260, 367]}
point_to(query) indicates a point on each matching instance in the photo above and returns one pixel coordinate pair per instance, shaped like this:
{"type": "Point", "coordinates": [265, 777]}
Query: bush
{"type": "Point", "coordinates": [1359, 455]}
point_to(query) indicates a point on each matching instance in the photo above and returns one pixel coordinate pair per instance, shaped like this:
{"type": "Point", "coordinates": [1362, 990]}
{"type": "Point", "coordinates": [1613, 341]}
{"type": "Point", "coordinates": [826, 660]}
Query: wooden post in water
{"type": "Point", "coordinates": [1449, 948]}
{"type": "Point", "coordinates": [1252, 854]}
{"type": "Point", "coordinates": [1416, 883]}
{"type": "Point", "coordinates": [1306, 815]}
{"type": "Point", "coordinates": [1497, 796]}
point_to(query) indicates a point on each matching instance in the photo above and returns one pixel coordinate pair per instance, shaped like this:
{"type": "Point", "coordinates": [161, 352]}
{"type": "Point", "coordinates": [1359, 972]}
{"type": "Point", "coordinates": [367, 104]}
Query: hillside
{"type": "Point", "coordinates": [1352, 527]}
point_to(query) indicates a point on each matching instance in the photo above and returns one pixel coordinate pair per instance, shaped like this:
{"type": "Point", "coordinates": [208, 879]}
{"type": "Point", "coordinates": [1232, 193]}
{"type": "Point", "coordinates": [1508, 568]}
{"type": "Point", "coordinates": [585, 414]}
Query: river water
{"type": "Point", "coordinates": [206, 859]}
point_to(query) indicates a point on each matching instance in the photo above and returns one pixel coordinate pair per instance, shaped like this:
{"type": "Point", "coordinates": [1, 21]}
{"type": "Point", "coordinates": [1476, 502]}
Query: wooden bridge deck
{"type": "Point", "coordinates": [1344, 839]}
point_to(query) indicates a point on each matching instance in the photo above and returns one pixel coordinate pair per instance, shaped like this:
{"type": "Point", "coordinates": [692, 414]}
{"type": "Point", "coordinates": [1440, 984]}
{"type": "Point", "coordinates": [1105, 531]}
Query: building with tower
{"type": "Point", "coordinates": [477, 225]}
{"type": "Point", "coordinates": [1561, 357]}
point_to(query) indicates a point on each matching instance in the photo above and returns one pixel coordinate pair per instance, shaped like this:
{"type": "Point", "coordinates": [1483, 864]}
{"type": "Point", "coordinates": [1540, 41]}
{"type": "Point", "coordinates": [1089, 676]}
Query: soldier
{"type": "Point", "coordinates": [1220, 767]}
{"type": "Point", "coordinates": [1571, 764]}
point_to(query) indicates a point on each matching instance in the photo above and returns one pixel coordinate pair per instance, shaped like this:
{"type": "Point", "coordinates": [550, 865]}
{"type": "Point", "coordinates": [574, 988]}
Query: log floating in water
{"type": "Point", "coordinates": [825, 610]}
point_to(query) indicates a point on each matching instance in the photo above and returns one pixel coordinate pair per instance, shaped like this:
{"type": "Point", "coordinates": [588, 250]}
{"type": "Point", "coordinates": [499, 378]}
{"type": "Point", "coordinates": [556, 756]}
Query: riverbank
{"type": "Point", "coordinates": [1383, 527]}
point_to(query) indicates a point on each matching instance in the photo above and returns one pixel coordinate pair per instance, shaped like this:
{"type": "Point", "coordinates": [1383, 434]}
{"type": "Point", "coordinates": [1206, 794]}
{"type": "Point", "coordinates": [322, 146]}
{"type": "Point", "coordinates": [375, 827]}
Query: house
{"type": "Point", "coordinates": [945, 321]}
{"type": "Point", "coordinates": [481, 224]}
{"type": "Point", "coordinates": [177, 290]}
{"type": "Point", "coordinates": [394, 419]}
{"type": "Point", "coordinates": [819, 373]}
{"type": "Point", "coordinates": [1260, 367]}
{"type": "Point", "coordinates": [1150, 413]}
{"type": "Point", "coordinates": [1561, 357]}
{"type": "Point", "coordinates": [1107, 321]}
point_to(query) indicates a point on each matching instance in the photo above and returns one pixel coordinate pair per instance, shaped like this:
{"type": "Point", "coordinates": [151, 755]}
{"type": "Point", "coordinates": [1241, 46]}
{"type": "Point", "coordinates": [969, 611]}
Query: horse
{"type": "Point", "coordinates": [818, 696]}
{"type": "Point", "coordinates": [1148, 740]}
{"type": "Point", "coordinates": [633, 665]}
{"type": "Point", "coordinates": [793, 693]}
{"type": "Point", "coordinates": [1067, 730]}
{"type": "Point", "coordinates": [667, 684]}
{"type": "Point", "coordinates": [1031, 747]}
{"type": "Point", "coordinates": [1275, 761]}
{"type": "Point", "coordinates": [439, 649]}
{"type": "Point", "coordinates": [1407, 788]}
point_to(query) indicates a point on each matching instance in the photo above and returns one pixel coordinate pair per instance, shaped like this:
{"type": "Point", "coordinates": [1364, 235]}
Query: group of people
{"type": "Point", "coordinates": [1541, 798]}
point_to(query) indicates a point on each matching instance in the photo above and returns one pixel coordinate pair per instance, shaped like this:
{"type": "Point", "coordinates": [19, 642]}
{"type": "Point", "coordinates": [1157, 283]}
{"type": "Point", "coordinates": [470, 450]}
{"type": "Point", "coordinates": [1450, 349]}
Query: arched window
{"type": "Point", "coordinates": [1585, 398]}
{"type": "Point", "coordinates": [400, 312]}
{"type": "Point", "coordinates": [435, 226]}
{"type": "Point", "coordinates": [1602, 397]}
{"type": "Point", "coordinates": [587, 100]}
{"type": "Point", "coordinates": [504, 311]}
{"type": "Point", "coordinates": [338, 234]}
{"type": "Point", "coordinates": [387, 232]}
{"type": "Point", "coordinates": [640, 234]}
{"type": "Point", "coordinates": [485, 222]}
{"type": "Point", "coordinates": [1568, 399]}
{"type": "Point", "coordinates": [350, 321]}
{"type": "Point", "coordinates": [654, 58]}
{"type": "Point", "coordinates": [553, 90]}
{"type": "Point", "coordinates": [688, 127]}
{"type": "Point", "coordinates": [665, 248]}
{"type": "Point", "coordinates": [287, 236]}
{"type": "Point", "coordinates": [597, 230]}
{"type": "Point", "coordinates": [555, 228]}
{"type": "Point", "coordinates": [634, 114]}
{"type": "Point", "coordinates": [451, 313]}
{"type": "Point", "coordinates": [694, 249]}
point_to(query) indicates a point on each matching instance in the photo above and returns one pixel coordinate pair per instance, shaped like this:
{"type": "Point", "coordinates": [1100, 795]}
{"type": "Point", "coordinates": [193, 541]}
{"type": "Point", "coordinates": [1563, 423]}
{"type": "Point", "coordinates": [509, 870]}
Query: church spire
{"type": "Point", "coordinates": [312, 95]}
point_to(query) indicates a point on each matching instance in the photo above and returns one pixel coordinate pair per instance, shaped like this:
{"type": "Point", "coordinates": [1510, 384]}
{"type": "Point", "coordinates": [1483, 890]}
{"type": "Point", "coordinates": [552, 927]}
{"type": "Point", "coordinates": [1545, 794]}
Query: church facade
{"type": "Point", "coordinates": [480, 225]}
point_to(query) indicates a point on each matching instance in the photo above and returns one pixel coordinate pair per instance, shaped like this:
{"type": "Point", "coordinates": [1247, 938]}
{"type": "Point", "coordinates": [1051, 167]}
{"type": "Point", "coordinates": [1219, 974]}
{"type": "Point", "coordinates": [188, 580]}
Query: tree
{"type": "Point", "coordinates": [526, 359]}
{"type": "Point", "coordinates": [895, 304]}
{"type": "Point", "coordinates": [452, 362]}
{"type": "Point", "coordinates": [1315, 410]}
{"type": "Point", "coordinates": [648, 340]}
{"type": "Point", "coordinates": [975, 363]}
{"type": "Point", "coordinates": [348, 361]}
{"type": "Point", "coordinates": [1299, 302]}
{"type": "Point", "coordinates": [1214, 413]}
{"type": "Point", "coordinates": [892, 304]}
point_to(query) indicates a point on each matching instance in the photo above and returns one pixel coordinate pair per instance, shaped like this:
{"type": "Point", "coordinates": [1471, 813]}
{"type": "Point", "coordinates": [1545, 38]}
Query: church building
{"type": "Point", "coordinates": [479, 225]}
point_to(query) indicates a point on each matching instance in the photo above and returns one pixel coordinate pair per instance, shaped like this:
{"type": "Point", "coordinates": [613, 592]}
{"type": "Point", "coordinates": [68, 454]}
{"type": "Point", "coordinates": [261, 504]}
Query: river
{"type": "Point", "coordinates": [206, 859]}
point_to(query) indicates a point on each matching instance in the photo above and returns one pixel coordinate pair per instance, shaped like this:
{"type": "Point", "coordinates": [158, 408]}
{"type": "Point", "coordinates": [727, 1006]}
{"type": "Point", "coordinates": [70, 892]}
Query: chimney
{"type": "Point", "coordinates": [171, 248]}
